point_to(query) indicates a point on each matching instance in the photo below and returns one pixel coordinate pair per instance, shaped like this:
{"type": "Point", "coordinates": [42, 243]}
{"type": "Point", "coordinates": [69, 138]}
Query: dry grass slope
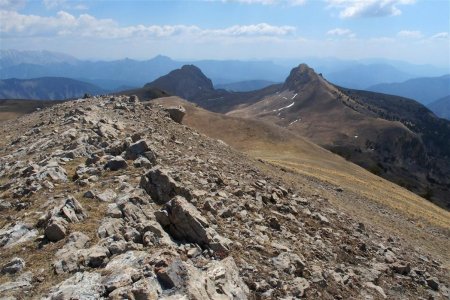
{"type": "Point", "coordinates": [375, 200]}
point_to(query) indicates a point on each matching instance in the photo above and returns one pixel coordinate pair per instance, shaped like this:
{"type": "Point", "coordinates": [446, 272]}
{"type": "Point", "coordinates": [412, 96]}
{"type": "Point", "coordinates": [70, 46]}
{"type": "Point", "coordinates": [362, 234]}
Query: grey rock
{"type": "Point", "coordinates": [376, 288]}
{"type": "Point", "coordinates": [22, 283]}
{"type": "Point", "coordinates": [185, 222]}
{"type": "Point", "coordinates": [321, 218]}
{"type": "Point", "coordinates": [106, 131]}
{"type": "Point", "coordinates": [433, 283]}
{"type": "Point", "coordinates": [14, 266]}
{"type": "Point", "coordinates": [161, 186]}
{"type": "Point", "coordinates": [121, 293]}
{"type": "Point", "coordinates": [226, 213]}
{"type": "Point", "coordinates": [86, 285]}
{"type": "Point", "coordinates": [274, 223]}
{"type": "Point", "coordinates": [176, 113]}
{"type": "Point", "coordinates": [67, 258]}
{"type": "Point", "coordinates": [133, 99]}
{"type": "Point", "coordinates": [56, 229]}
{"type": "Point", "coordinates": [151, 156]}
{"type": "Point", "coordinates": [116, 163]}
{"type": "Point", "coordinates": [107, 195]}
{"type": "Point", "coordinates": [300, 286]}
{"type": "Point", "coordinates": [5, 205]}
{"type": "Point", "coordinates": [217, 243]}
{"type": "Point", "coordinates": [70, 210]}
{"type": "Point", "coordinates": [113, 211]}
{"type": "Point", "coordinates": [289, 263]}
{"type": "Point", "coordinates": [220, 280]}
{"type": "Point", "coordinates": [389, 257]}
{"type": "Point", "coordinates": [402, 268]}
{"type": "Point", "coordinates": [96, 256]}
{"type": "Point", "coordinates": [17, 234]}
{"type": "Point", "coordinates": [155, 234]}
{"type": "Point", "coordinates": [146, 288]}
{"type": "Point", "coordinates": [53, 171]}
{"type": "Point", "coordinates": [136, 149]}
{"type": "Point", "coordinates": [142, 162]}
{"type": "Point", "coordinates": [131, 259]}
{"type": "Point", "coordinates": [116, 280]}
{"type": "Point", "coordinates": [172, 275]}
{"type": "Point", "coordinates": [110, 227]}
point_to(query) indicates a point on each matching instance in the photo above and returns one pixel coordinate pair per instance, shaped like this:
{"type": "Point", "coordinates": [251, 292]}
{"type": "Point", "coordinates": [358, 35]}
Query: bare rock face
{"type": "Point", "coordinates": [176, 113]}
{"type": "Point", "coordinates": [161, 186]}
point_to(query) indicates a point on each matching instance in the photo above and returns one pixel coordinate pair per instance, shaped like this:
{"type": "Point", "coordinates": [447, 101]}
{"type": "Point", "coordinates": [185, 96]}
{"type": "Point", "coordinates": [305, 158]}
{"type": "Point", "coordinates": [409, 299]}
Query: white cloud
{"type": "Point", "coordinates": [368, 8]}
{"type": "Point", "coordinates": [262, 29]}
{"type": "Point", "coordinates": [50, 4]}
{"type": "Point", "coordinates": [12, 5]}
{"type": "Point", "coordinates": [341, 32]}
{"type": "Point", "coordinates": [85, 25]}
{"type": "Point", "coordinates": [441, 35]}
{"type": "Point", "coordinates": [411, 34]}
{"type": "Point", "coordinates": [269, 2]}
{"type": "Point", "coordinates": [64, 4]}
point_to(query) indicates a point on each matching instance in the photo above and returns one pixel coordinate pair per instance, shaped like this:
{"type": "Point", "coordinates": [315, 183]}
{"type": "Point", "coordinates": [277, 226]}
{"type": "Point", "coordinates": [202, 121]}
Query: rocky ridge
{"type": "Point", "coordinates": [113, 198]}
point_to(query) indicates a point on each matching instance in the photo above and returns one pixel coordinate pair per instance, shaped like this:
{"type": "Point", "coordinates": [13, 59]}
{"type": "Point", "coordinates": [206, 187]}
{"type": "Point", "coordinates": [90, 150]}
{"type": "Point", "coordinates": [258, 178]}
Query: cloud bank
{"type": "Point", "coordinates": [368, 8]}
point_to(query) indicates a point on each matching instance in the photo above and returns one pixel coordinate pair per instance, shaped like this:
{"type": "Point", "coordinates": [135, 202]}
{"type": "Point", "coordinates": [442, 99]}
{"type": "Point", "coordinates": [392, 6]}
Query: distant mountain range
{"type": "Point", "coordinates": [394, 137]}
{"type": "Point", "coordinates": [129, 73]}
{"type": "Point", "coordinates": [441, 107]}
{"type": "Point", "coordinates": [363, 76]}
{"type": "Point", "coordinates": [425, 90]}
{"type": "Point", "coordinates": [46, 88]}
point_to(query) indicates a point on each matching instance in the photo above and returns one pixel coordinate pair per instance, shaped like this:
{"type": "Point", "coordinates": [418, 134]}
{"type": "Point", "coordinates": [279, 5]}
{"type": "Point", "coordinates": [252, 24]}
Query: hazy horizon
{"type": "Point", "coordinates": [414, 31]}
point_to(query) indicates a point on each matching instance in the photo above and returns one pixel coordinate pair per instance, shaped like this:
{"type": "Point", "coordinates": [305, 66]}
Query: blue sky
{"type": "Point", "coordinates": [410, 30]}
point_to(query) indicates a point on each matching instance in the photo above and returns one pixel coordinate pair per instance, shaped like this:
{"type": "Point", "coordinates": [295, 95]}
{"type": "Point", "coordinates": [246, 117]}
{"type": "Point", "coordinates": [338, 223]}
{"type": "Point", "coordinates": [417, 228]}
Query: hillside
{"type": "Point", "coordinates": [360, 126]}
{"type": "Point", "coordinates": [121, 201]}
{"type": "Point", "coordinates": [46, 88]}
{"type": "Point", "coordinates": [245, 86]}
{"type": "Point", "coordinates": [188, 82]}
{"type": "Point", "coordinates": [11, 109]}
{"type": "Point", "coordinates": [362, 76]}
{"type": "Point", "coordinates": [423, 90]}
{"type": "Point", "coordinates": [441, 107]}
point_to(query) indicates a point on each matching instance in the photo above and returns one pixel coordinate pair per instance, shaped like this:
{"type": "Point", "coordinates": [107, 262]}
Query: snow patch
{"type": "Point", "coordinates": [290, 105]}
{"type": "Point", "coordinates": [285, 107]}
{"type": "Point", "coordinates": [294, 122]}
{"type": "Point", "coordinates": [293, 97]}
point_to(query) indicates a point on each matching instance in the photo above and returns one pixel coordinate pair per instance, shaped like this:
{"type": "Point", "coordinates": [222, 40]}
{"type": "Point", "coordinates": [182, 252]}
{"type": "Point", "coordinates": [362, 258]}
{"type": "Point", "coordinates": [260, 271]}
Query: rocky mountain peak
{"type": "Point", "coordinates": [300, 75]}
{"type": "Point", "coordinates": [187, 82]}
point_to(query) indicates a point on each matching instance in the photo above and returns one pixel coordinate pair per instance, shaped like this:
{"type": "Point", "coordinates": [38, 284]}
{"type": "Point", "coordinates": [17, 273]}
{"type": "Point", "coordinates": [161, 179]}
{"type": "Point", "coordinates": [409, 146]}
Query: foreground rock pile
{"type": "Point", "coordinates": [113, 198]}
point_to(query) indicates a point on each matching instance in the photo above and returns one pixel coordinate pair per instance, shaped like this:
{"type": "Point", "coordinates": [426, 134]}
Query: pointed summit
{"type": "Point", "coordinates": [188, 82]}
{"type": "Point", "coordinates": [299, 76]}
